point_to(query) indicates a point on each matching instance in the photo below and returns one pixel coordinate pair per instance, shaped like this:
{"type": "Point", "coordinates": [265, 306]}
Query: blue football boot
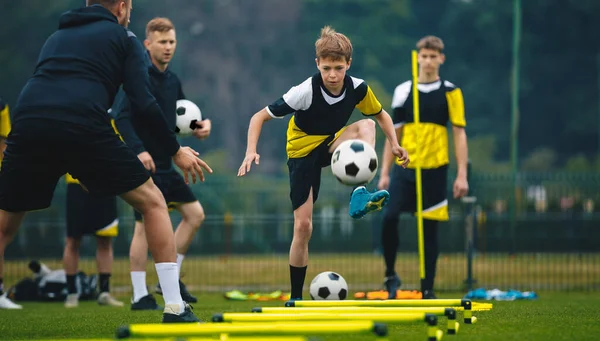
{"type": "Point", "coordinates": [362, 201]}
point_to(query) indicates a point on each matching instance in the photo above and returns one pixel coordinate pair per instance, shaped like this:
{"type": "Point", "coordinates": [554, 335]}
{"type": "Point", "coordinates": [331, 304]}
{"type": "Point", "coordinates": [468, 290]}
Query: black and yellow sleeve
{"type": "Point", "coordinates": [368, 103]}
{"type": "Point", "coordinates": [456, 107]}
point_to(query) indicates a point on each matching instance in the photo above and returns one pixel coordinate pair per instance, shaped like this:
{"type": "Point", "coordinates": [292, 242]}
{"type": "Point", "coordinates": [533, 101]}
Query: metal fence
{"type": "Point", "coordinates": [532, 232]}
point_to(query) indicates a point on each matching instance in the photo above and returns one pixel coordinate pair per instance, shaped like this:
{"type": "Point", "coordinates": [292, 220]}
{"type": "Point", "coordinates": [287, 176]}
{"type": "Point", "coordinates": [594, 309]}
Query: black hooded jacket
{"type": "Point", "coordinates": [80, 69]}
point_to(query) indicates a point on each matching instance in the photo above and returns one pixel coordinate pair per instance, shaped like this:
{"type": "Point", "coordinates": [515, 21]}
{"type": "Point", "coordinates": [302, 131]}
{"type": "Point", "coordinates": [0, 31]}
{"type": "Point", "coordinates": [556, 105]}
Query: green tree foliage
{"type": "Point", "coordinates": [237, 56]}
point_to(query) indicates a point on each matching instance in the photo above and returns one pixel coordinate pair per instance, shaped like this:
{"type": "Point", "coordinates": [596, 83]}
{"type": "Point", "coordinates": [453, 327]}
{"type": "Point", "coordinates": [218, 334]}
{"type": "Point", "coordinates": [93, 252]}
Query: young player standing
{"type": "Point", "coordinates": [440, 103]}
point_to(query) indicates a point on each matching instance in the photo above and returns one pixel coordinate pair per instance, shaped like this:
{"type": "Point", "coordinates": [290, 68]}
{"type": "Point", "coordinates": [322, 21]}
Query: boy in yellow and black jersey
{"type": "Point", "coordinates": [440, 104]}
{"type": "Point", "coordinates": [321, 107]}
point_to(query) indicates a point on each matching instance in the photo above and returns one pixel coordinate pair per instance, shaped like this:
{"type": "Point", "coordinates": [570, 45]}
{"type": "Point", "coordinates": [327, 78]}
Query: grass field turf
{"type": "Point", "coordinates": [554, 316]}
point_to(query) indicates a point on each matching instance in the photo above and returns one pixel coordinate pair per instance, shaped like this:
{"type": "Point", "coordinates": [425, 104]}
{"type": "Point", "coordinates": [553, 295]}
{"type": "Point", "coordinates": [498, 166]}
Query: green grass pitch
{"type": "Point", "coordinates": [554, 316]}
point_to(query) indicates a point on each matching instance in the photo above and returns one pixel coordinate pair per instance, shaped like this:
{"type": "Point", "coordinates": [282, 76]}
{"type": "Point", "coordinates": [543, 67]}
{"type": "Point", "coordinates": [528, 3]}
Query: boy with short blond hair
{"type": "Point", "coordinates": [321, 107]}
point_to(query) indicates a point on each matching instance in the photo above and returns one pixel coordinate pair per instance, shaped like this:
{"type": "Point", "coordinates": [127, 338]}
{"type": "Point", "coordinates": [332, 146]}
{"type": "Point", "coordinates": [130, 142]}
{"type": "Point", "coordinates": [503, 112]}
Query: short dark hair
{"type": "Point", "coordinates": [431, 43]}
{"type": "Point", "coordinates": [105, 3]}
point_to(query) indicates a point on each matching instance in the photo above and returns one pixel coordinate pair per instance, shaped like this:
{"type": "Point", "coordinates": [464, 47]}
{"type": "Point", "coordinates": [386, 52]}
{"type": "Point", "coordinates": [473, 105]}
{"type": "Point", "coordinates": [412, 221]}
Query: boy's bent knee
{"type": "Point", "coordinates": [366, 123]}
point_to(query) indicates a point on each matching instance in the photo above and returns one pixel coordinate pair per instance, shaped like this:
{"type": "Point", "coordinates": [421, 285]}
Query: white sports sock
{"type": "Point", "coordinates": [138, 280]}
{"type": "Point", "coordinates": [180, 258]}
{"type": "Point", "coordinates": [168, 277]}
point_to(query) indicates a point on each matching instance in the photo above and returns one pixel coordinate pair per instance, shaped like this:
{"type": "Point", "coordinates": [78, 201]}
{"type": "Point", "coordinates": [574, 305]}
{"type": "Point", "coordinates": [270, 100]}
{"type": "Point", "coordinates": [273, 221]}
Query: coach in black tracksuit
{"type": "Point", "coordinates": [60, 125]}
{"type": "Point", "coordinates": [65, 105]}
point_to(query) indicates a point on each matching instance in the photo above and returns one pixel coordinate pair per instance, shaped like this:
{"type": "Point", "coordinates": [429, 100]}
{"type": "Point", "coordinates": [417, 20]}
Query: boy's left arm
{"type": "Point", "coordinates": [456, 113]}
{"type": "Point", "coordinates": [461, 186]}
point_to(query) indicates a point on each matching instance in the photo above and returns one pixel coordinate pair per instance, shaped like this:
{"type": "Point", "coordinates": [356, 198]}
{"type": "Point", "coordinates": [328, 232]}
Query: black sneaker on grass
{"type": "Point", "coordinates": [187, 316]}
{"type": "Point", "coordinates": [429, 295]}
{"type": "Point", "coordinates": [146, 303]}
{"type": "Point", "coordinates": [392, 283]}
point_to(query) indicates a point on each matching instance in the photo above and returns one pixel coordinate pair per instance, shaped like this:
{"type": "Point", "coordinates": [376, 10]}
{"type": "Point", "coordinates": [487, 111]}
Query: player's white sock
{"type": "Point", "coordinates": [168, 277]}
{"type": "Point", "coordinates": [180, 258]}
{"type": "Point", "coordinates": [138, 280]}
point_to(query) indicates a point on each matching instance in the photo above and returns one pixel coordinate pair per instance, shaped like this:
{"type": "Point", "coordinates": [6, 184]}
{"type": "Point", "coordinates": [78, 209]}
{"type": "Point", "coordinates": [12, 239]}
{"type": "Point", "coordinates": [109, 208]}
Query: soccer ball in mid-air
{"type": "Point", "coordinates": [188, 114]}
{"type": "Point", "coordinates": [354, 162]}
{"type": "Point", "coordinates": [328, 285]}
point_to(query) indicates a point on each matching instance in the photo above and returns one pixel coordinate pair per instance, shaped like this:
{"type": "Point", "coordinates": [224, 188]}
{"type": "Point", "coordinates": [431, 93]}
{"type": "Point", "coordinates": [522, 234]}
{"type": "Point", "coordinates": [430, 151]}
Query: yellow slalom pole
{"type": "Point", "coordinates": [419, 189]}
{"type": "Point", "coordinates": [450, 313]}
{"type": "Point", "coordinates": [482, 306]}
{"type": "Point", "coordinates": [367, 316]}
{"type": "Point", "coordinates": [225, 337]}
{"type": "Point", "coordinates": [382, 303]}
{"type": "Point", "coordinates": [387, 310]}
{"type": "Point", "coordinates": [222, 337]}
{"type": "Point", "coordinates": [464, 303]}
{"type": "Point", "coordinates": [271, 328]}
{"type": "Point", "coordinates": [476, 306]}
{"type": "Point", "coordinates": [382, 317]}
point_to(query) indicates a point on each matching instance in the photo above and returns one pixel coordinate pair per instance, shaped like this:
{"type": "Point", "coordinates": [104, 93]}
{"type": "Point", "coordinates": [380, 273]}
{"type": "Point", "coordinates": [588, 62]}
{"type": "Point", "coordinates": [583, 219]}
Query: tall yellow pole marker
{"type": "Point", "coordinates": [419, 189]}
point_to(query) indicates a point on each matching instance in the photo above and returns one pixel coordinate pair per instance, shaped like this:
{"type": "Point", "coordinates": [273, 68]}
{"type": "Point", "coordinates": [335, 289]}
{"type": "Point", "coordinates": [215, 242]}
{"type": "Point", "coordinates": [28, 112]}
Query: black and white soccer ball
{"type": "Point", "coordinates": [354, 163]}
{"type": "Point", "coordinates": [328, 285]}
{"type": "Point", "coordinates": [188, 114]}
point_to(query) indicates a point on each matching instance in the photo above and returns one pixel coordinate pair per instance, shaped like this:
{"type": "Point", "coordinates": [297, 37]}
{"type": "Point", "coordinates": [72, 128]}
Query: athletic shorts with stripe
{"type": "Point", "coordinates": [403, 194]}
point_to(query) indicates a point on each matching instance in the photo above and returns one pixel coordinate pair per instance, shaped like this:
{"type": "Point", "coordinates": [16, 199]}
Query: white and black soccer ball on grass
{"type": "Point", "coordinates": [354, 163]}
{"type": "Point", "coordinates": [328, 285]}
{"type": "Point", "coordinates": [188, 114]}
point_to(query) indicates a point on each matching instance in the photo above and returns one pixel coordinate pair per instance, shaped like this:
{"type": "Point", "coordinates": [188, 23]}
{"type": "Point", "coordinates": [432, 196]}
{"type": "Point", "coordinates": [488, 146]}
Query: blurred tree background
{"type": "Point", "coordinates": [236, 56]}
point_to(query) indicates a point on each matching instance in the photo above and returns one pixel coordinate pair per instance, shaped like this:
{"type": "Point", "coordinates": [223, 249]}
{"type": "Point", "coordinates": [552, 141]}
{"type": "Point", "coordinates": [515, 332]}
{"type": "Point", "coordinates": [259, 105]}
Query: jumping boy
{"type": "Point", "coordinates": [321, 107]}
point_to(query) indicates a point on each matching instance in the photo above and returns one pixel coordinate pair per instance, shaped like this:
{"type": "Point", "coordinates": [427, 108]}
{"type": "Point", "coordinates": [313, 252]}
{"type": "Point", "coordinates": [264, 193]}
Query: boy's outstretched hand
{"type": "Point", "coordinates": [247, 163]}
{"type": "Point", "coordinates": [402, 155]}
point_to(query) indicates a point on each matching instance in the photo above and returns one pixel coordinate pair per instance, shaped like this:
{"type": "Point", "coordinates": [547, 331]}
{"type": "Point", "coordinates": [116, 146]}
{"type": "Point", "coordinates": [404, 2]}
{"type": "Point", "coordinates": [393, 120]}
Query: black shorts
{"type": "Point", "coordinates": [173, 188]}
{"type": "Point", "coordinates": [39, 152]}
{"type": "Point", "coordinates": [89, 214]}
{"type": "Point", "coordinates": [403, 194]}
{"type": "Point", "coordinates": [305, 172]}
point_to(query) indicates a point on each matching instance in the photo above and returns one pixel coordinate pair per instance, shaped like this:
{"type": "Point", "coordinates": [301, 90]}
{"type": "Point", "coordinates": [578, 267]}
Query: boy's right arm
{"type": "Point", "coordinates": [297, 98]}
{"type": "Point", "coordinates": [254, 129]}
